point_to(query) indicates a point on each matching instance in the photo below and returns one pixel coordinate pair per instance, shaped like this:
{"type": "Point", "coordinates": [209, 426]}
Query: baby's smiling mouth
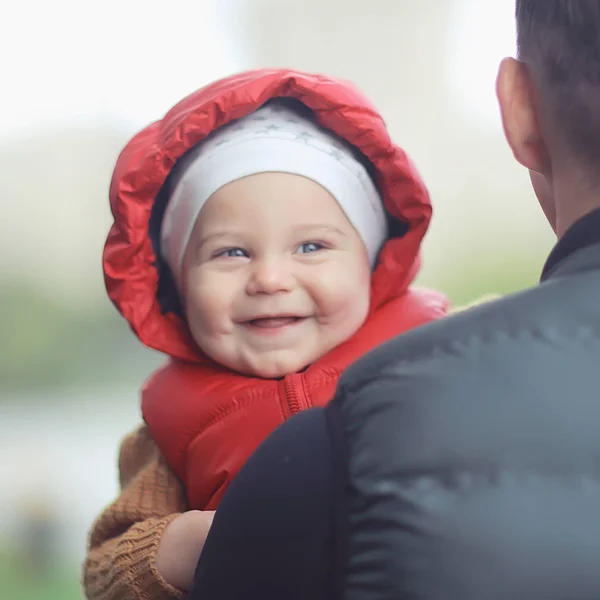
{"type": "Point", "coordinates": [274, 322]}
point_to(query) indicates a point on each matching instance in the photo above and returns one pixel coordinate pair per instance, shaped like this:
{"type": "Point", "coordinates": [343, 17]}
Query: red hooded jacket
{"type": "Point", "coordinates": [205, 419]}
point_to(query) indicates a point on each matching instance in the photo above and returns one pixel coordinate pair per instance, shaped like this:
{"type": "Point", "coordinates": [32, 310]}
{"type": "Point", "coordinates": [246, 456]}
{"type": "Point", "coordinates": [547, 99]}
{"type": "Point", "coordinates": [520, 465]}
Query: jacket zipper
{"type": "Point", "coordinates": [295, 395]}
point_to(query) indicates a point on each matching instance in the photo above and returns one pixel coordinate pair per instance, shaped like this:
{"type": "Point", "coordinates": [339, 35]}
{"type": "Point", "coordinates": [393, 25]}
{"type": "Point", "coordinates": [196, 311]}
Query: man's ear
{"type": "Point", "coordinates": [516, 95]}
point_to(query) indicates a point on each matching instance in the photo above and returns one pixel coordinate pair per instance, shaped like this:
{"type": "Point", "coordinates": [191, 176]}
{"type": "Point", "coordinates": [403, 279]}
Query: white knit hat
{"type": "Point", "coordinates": [274, 138]}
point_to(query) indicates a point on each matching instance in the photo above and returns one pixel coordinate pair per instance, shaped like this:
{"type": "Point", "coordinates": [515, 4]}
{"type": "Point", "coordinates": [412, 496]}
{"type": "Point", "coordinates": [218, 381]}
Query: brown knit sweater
{"type": "Point", "coordinates": [120, 564]}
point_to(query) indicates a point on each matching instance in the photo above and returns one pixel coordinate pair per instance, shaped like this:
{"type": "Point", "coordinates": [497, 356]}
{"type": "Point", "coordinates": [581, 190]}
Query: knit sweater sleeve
{"type": "Point", "coordinates": [121, 559]}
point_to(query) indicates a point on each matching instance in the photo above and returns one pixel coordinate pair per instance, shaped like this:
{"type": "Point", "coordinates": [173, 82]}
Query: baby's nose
{"type": "Point", "coordinates": [270, 277]}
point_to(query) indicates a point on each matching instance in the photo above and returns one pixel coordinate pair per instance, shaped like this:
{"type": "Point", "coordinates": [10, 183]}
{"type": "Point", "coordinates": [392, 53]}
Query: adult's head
{"type": "Point", "coordinates": [550, 102]}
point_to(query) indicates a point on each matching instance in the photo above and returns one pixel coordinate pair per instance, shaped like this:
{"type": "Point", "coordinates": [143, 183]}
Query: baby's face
{"type": "Point", "coordinates": [274, 275]}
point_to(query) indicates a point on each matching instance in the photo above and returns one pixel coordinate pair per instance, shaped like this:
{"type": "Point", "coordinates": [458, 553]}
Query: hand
{"type": "Point", "coordinates": [180, 547]}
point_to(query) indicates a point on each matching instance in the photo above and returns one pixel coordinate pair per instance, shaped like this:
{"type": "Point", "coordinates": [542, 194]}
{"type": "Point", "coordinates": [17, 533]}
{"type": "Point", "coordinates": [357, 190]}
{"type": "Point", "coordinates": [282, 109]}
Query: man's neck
{"type": "Point", "coordinates": [574, 200]}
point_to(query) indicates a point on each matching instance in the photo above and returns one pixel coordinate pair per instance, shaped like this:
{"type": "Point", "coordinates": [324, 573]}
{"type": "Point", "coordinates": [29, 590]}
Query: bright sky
{"type": "Point", "coordinates": [483, 34]}
{"type": "Point", "coordinates": [129, 59]}
{"type": "Point", "coordinates": [132, 59]}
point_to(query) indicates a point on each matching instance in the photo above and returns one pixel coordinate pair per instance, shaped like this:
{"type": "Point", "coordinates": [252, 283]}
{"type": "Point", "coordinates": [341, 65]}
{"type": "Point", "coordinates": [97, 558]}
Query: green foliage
{"type": "Point", "coordinates": [501, 274]}
{"type": "Point", "coordinates": [47, 344]}
{"type": "Point", "coordinates": [17, 584]}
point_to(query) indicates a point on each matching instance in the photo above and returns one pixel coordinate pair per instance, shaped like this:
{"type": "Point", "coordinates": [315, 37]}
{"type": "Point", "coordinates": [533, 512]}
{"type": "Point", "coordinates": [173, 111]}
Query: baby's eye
{"type": "Point", "coordinates": [231, 253]}
{"type": "Point", "coordinates": [310, 247]}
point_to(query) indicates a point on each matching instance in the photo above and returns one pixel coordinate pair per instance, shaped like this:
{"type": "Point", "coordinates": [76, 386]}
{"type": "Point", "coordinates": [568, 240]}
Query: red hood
{"type": "Point", "coordinates": [129, 260]}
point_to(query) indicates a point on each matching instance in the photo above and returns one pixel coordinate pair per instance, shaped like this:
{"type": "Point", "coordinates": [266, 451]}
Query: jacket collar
{"type": "Point", "coordinates": [578, 250]}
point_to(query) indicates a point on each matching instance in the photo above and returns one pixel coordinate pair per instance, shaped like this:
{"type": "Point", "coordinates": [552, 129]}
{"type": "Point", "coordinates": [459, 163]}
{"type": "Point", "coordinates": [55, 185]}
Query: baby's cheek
{"type": "Point", "coordinates": [347, 300]}
{"type": "Point", "coordinates": [204, 309]}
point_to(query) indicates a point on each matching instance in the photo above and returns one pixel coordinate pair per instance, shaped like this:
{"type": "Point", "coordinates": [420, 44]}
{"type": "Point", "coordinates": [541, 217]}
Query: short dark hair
{"type": "Point", "coordinates": [560, 41]}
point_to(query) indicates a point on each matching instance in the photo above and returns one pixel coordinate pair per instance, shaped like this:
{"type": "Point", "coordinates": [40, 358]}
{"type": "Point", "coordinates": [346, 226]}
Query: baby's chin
{"type": "Point", "coordinates": [275, 365]}
{"type": "Point", "coordinates": [273, 368]}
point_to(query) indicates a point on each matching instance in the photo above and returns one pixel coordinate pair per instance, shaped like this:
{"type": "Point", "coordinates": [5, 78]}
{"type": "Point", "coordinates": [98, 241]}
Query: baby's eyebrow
{"type": "Point", "coordinates": [313, 227]}
{"type": "Point", "coordinates": [303, 229]}
{"type": "Point", "coordinates": [215, 236]}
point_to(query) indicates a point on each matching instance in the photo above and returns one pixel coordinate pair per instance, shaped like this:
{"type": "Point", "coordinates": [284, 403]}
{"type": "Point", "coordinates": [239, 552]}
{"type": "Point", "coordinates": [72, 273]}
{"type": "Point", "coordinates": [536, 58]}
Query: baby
{"type": "Point", "coordinates": [266, 235]}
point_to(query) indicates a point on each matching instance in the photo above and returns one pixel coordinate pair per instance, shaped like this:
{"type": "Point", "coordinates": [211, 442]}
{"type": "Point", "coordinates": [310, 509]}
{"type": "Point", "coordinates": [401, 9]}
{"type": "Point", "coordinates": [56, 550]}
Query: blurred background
{"type": "Point", "coordinates": [79, 80]}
